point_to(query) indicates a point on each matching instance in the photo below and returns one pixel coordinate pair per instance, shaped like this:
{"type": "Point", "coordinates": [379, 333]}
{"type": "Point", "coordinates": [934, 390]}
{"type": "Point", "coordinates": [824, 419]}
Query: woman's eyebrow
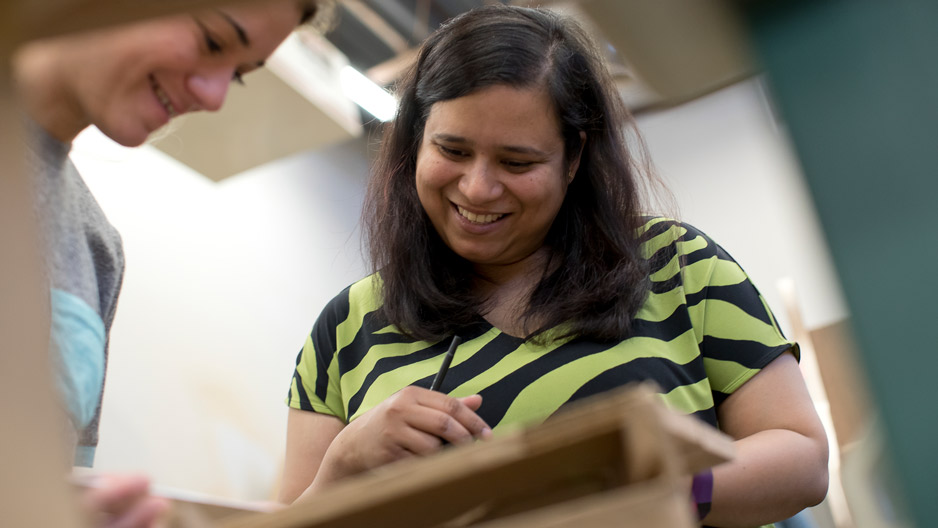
{"type": "Point", "coordinates": [524, 150]}
{"type": "Point", "coordinates": [242, 34]}
{"type": "Point", "coordinates": [450, 138]}
{"type": "Point", "coordinates": [517, 149]}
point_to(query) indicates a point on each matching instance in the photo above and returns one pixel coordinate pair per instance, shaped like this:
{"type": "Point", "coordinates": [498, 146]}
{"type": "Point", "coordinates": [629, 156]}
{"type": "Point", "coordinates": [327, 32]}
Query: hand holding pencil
{"type": "Point", "coordinates": [414, 421]}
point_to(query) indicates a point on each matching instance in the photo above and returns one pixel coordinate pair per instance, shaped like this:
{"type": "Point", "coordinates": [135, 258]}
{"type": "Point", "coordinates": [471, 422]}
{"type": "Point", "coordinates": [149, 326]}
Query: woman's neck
{"type": "Point", "coordinates": [496, 276]}
{"type": "Point", "coordinates": [507, 289]}
{"type": "Point", "coordinates": [44, 92]}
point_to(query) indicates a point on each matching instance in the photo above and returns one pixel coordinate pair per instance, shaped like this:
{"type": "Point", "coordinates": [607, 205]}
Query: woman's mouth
{"type": "Point", "coordinates": [480, 219]}
{"type": "Point", "coordinates": [163, 98]}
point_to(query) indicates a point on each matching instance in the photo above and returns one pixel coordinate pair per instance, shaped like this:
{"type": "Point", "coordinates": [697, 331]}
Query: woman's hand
{"type": "Point", "coordinates": [414, 421]}
{"type": "Point", "coordinates": [123, 501]}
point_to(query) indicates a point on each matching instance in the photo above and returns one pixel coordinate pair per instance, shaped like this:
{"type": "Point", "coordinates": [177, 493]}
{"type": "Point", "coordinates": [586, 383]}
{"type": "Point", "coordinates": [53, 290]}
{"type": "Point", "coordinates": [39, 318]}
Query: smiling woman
{"type": "Point", "coordinates": [131, 80]}
{"type": "Point", "coordinates": [505, 209]}
{"type": "Point", "coordinates": [128, 81]}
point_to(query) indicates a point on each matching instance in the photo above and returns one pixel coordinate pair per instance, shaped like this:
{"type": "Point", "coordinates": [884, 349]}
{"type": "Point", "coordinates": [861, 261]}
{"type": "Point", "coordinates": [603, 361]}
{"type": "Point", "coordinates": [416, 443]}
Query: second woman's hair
{"type": "Point", "coordinates": [595, 280]}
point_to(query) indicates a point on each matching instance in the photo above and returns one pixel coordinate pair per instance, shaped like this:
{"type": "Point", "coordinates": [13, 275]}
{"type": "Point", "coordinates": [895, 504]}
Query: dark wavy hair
{"type": "Point", "coordinates": [595, 279]}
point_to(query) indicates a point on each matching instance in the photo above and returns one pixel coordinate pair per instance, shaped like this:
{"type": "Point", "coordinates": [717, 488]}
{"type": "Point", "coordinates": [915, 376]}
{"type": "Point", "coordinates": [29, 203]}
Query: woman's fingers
{"type": "Point", "coordinates": [143, 514]}
{"type": "Point", "coordinates": [123, 501]}
{"type": "Point", "coordinates": [473, 402]}
{"type": "Point", "coordinates": [426, 419]}
{"type": "Point", "coordinates": [413, 441]}
{"type": "Point", "coordinates": [113, 494]}
{"type": "Point", "coordinates": [461, 410]}
{"type": "Point", "coordinates": [414, 421]}
{"type": "Point", "coordinates": [439, 425]}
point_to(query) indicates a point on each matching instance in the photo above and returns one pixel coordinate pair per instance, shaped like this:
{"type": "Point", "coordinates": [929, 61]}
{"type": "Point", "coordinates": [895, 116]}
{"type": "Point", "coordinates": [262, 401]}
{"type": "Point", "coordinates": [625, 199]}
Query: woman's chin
{"type": "Point", "coordinates": [128, 136]}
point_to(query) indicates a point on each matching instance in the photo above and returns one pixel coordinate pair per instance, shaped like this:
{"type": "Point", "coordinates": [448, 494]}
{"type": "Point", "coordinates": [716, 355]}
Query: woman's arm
{"type": "Point", "coordinates": [308, 436]}
{"type": "Point", "coordinates": [321, 449]}
{"type": "Point", "coordinates": [781, 461]}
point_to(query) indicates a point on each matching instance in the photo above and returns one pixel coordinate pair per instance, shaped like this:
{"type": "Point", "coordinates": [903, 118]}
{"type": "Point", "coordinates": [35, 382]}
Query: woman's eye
{"type": "Point", "coordinates": [455, 153]}
{"type": "Point", "coordinates": [210, 42]}
{"type": "Point", "coordinates": [213, 45]}
{"type": "Point", "coordinates": [517, 165]}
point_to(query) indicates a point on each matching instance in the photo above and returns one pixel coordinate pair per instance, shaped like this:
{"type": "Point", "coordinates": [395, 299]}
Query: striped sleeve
{"type": "Point", "coordinates": [315, 385]}
{"type": "Point", "coordinates": [735, 329]}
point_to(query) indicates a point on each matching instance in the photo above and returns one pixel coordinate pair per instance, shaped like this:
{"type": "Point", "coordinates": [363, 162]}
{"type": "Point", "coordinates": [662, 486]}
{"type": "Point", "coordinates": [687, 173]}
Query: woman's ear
{"type": "Point", "coordinates": [575, 162]}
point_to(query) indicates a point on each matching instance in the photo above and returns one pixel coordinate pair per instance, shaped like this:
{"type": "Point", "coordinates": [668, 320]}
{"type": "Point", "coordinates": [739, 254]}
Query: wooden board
{"type": "Point", "coordinates": [847, 388]}
{"type": "Point", "coordinates": [56, 17]}
{"type": "Point", "coordinates": [589, 462]}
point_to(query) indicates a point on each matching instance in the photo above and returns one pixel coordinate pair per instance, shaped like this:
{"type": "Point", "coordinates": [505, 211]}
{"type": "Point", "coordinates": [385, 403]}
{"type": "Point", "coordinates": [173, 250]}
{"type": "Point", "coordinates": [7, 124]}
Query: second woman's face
{"type": "Point", "coordinates": [131, 80]}
{"type": "Point", "coordinates": [491, 173]}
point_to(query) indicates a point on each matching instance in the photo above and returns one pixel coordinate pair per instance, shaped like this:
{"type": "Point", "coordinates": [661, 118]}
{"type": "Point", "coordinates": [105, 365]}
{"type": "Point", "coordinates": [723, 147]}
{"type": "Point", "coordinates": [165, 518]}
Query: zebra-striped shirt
{"type": "Point", "coordinates": [703, 331]}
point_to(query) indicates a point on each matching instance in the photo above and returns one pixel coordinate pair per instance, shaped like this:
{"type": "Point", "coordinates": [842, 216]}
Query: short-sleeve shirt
{"type": "Point", "coordinates": [84, 259]}
{"type": "Point", "coordinates": [703, 331]}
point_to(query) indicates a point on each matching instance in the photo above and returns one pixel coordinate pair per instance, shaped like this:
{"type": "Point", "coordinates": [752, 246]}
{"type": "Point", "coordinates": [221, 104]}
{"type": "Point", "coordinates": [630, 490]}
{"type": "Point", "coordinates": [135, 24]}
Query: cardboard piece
{"type": "Point", "coordinates": [851, 406]}
{"type": "Point", "coordinates": [681, 49]}
{"type": "Point", "coordinates": [620, 458]}
{"type": "Point", "coordinates": [31, 454]}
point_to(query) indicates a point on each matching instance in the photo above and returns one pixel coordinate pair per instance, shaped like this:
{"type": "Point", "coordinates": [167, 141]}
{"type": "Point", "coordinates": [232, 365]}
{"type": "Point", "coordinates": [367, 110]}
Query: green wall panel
{"type": "Point", "coordinates": [856, 83]}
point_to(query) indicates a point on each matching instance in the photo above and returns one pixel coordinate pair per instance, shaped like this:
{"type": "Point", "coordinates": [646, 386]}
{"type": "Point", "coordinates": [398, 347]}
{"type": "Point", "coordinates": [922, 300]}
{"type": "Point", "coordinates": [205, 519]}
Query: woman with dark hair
{"type": "Point", "coordinates": [506, 209]}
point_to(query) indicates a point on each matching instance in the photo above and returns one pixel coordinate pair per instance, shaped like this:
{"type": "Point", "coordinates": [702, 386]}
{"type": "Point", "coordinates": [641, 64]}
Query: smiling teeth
{"type": "Point", "coordinates": [478, 219]}
{"type": "Point", "coordinates": [164, 99]}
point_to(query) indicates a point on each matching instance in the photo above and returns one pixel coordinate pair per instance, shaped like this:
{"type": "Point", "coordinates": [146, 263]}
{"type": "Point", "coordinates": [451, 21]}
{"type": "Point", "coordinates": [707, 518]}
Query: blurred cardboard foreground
{"type": "Point", "coordinates": [617, 459]}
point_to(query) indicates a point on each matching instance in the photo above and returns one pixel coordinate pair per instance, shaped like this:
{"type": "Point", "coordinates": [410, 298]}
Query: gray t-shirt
{"type": "Point", "coordinates": [85, 262]}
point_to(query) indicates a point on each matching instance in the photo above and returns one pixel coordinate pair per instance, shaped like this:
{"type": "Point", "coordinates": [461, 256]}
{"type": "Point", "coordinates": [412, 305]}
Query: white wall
{"type": "Point", "coordinates": [224, 281]}
{"type": "Point", "coordinates": [735, 177]}
{"type": "Point", "coordinates": [222, 285]}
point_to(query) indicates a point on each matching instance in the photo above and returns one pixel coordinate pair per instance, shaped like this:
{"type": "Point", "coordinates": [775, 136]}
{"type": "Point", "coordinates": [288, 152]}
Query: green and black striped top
{"type": "Point", "coordinates": [702, 333]}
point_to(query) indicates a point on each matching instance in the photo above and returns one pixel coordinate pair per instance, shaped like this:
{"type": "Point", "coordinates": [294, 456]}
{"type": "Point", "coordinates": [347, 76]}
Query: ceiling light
{"type": "Point", "coordinates": [368, 95]}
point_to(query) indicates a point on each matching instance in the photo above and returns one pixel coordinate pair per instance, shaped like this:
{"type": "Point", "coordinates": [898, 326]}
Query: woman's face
{"type": "Point", "coordinates": [491, 173]}
{"type": "Point", "coordinates": [131, 80]}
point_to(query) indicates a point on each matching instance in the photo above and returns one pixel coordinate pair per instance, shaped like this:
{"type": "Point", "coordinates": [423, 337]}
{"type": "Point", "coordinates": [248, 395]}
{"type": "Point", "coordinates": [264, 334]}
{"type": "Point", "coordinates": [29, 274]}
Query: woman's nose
{"type": "Point", "coordinates": [480, 183]}
{"type": "Point", "coordinates": [210, 88]}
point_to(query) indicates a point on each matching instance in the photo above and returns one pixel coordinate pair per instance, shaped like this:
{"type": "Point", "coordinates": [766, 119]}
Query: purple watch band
{"type": "Point", "coordinates": [702, 491]}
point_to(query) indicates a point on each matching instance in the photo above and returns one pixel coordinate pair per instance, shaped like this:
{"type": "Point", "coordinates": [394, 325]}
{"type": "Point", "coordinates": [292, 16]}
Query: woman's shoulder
{"type": "Point", "coordinates": [660, 232]}
{"type": "Point", "coordinates": [365, 291]}
{"type": "Point", "coordinates": [360, 297]}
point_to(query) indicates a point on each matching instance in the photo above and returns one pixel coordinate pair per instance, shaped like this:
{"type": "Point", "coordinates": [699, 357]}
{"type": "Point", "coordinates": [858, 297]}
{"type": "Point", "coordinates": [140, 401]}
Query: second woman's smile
{"type": "Point", "coordinates": [481, 219]}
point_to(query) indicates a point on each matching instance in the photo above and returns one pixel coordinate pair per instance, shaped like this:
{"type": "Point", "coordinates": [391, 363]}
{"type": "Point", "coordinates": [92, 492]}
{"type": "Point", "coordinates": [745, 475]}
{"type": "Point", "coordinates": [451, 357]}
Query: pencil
{"type": "Point", "coordinates": [447, 359]}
